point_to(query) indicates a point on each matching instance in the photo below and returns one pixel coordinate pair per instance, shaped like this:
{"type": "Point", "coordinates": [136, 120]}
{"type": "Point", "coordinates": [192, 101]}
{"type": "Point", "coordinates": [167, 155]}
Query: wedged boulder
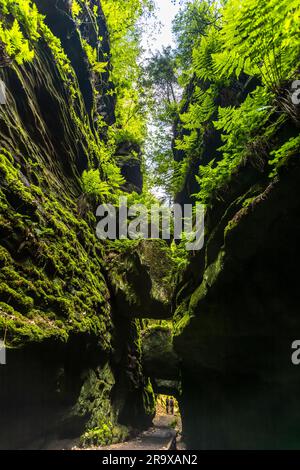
{"type": "Point", "coordinates": [236, 320]}
{"type": "Point", "coordinates": [140, 280]}
{"type": "Point", "coordinates": [159, 358]}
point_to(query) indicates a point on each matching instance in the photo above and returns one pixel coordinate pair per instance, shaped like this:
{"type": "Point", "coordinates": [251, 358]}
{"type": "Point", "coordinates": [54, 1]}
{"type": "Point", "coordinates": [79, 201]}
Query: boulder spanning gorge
{"type": "Point", "coordinates": [95, 330]}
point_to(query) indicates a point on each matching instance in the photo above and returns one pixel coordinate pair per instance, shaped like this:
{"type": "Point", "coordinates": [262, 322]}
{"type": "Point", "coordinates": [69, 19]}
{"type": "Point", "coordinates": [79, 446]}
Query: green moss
{"type": "Point", "coordinates": [5, 257]}
{"type": "Point", "coordinates": [149, 400]}
{"type": "Point", "coordinates": [95, 402]}
{"type": "Point", "coordinates": [18, 330]}
{"type": "Point", "coordinates": [11, 177]}
{"type": "Point", "coordinates": [182, 322]}
{"type": "Point", "coordinates": [230, 226]}
{"type": "Point", "coordinates": [60, 272]}
{"type": "Point", "coordinates": [20, 301]}
{"type": "Point", "coordinates": [105, 435]}
{"type": "Point", "coordinates": [157, 325]}
{"type": "Point", "coordinates": [181, 311]}
{"type": "Point", "coordinates": [248, 201]}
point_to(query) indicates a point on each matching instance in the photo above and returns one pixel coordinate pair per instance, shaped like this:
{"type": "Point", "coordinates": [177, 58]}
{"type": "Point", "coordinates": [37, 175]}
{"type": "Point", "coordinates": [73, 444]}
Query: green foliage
{"type": "Point", "coordinates": [259, 38]}
{"type": "Point", "coordinates": [179, 255]}
{"type": "Point", "coordinates": [283, 154]}
{"type": "Point", "coordinates": [26, 12]}
{"type": "Point", "coordinates": [166, 72]}
{"type": "Point", "coordinates": [162, 83]}
{"type": "Point", "coordinates": [17, 47]}
{"type": "Point", "coordinates": [159, 158]}
{"type": "Point", "coordinates": [76, 8]}
{"type": "Point", "coordinates": [105, 434]}
{"type": "Point", "coordinates": [243, 123]}
{"type": "Point", "coordinates": [253, 38]}
{"type": "Point", "coordinates": [243, 128]}
{"type": "Point", "coordinates": [107, 188]}
{"type": "Point", "coordinates": [203, 56]}
{"type": "Point", "coordinates": [92, 55]}
{"type": "Point", "coordinates": [113, 175]}
{"type": "Point", "coordinates": [180, 172]}
{"type": "Point", "coordinates": [201, 110]}
{"type": "Point", "coordinates": [92, 184]}
{"type": "Point", "coordinates": [190, 25]}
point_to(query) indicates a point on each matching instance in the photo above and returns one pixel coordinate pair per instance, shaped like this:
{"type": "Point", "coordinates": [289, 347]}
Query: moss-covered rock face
{"type": "Point", "coordinates": [51, 281]}
{"type": "Point", "coordinates": [237, 316]}
{"type": "Point", "coordinates": [133, 395]}
{"type": "Point", "coordinates": [55, 302]}
{"type": "Point", "coordinates": [140, 279]}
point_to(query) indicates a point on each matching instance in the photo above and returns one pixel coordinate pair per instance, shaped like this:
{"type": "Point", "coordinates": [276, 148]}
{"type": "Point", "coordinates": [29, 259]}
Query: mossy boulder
{"type": "Point", "coordinates": [139, 276]}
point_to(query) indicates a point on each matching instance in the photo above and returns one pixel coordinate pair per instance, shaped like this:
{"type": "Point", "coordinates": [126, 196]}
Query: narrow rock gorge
{"type": "Point", "coordinates": [73, 355]}
{"type": "Point", "coordinates": [94, 330]}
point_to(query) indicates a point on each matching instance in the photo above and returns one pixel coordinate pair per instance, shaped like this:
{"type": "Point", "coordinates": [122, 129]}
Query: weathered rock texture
{"type": "Point", "coordinates": [236, 316]}
{"type": "Point", "coordinates": [73, 365]}
{"type": "Point", "coordinates": [140, 277]}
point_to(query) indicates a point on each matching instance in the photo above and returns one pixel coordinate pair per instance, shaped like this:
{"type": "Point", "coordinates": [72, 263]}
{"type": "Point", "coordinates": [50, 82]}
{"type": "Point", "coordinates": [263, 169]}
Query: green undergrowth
{"type": "Point", "coordinates": [156, 325]}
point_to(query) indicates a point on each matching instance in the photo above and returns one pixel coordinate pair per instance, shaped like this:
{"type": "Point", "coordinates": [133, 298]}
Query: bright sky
{"type": "Point", "coordinates": [161, 36]}
{"type": "Point", "coordinates": [157, 35]}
